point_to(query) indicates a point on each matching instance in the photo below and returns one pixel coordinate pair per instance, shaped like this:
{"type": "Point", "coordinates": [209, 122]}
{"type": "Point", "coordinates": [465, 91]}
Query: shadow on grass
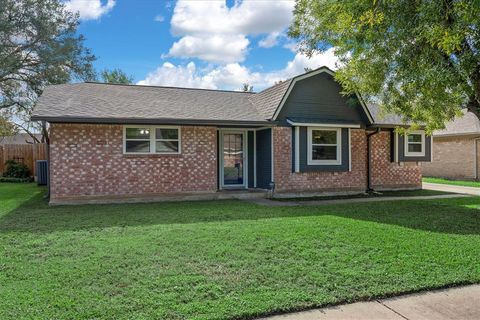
{"type": "Point", "coordinates": [454, 216]}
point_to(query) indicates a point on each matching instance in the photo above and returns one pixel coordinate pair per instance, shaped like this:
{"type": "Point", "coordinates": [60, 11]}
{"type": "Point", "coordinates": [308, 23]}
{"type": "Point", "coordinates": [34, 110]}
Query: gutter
{"type": "Point", "coordinates": [369, 160]}
{"type": "Point", "coordinates": [152, 121]}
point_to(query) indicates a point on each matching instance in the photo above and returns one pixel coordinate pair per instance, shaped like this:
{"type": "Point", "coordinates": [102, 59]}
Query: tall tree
{"type": "Point", "coordinates": [417, 58]}
{"type": "Point", "coordinates": [7, 128]}
{"type": "Point", "coordinates": [116, 76]}
{"type": "Point", "coordinates": [246, 87]}
{"type": "Point", "coordinates": [38, 46]}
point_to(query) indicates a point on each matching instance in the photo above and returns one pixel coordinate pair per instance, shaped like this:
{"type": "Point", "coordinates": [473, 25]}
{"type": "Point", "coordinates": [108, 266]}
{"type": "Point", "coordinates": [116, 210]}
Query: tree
{"type": "Point", "coordinates": [7, 128]}
{"type": "Point", "coordinates": [417, 58]}
{"type": "Point", "coordinates": [116, 76]}
{"type": "Point", "coordinates": [38, 46]}
{"type": "Point", "coordinates": [247, 87]}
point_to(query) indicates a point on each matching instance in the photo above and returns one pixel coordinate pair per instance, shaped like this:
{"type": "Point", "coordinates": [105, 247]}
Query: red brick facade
{"type": "Point", "coordinates": [385, 174]}
{"type": "Point", "coordinates": [88, 160]}
{"type": "Point", "coordinates": [390, 175]}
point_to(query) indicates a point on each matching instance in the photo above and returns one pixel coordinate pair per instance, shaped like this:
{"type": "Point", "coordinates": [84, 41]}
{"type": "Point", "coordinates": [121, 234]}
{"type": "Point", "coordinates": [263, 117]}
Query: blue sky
{"type": "Point", "coordinates": [206, 44]}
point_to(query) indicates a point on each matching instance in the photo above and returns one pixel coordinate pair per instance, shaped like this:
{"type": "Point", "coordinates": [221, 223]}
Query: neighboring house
{"type": "Point", "coordinates": [299, 136]}
{"type": "Point", "coordinates": [20, 138]}
{"type": "Point", "coordinates": [456, 150]}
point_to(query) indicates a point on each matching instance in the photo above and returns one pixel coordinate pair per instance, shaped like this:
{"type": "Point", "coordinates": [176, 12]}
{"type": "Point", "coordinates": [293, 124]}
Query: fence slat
{"type": "Point", "coordinates": [23, 153]}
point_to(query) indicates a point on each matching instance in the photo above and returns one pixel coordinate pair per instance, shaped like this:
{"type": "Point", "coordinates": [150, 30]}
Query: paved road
{"type": "Point", "coordinates": [451, 188]}
{"type": "Point", "coordinates": [456, 303]}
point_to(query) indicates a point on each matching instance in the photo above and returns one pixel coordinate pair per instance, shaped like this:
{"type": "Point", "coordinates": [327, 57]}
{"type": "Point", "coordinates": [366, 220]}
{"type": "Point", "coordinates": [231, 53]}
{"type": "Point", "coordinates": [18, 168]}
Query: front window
{"type": "Point", "coordinates": [415, 144]}
{"type": "Point", "coordinates": [148, 139]}
{"type": "Point", "coordinates": [324, 146]}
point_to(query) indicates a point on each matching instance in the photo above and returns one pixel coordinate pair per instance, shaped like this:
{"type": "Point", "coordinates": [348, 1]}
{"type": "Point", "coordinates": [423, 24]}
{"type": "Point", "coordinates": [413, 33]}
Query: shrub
{"type": "Point", "coordinates": [16, 170]}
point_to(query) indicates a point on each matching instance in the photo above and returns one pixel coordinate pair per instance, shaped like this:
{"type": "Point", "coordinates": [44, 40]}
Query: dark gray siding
{"type": "Point", "coordinates": [319, 97]}
{"type": "Point", "coordinates": [401, 150]}
{"type": "Point", "coordinates": [264, 158]}
{"type": "Point", "coordinates": [250, 158]}
{"type": "Point", "coordinates": [304, 167]}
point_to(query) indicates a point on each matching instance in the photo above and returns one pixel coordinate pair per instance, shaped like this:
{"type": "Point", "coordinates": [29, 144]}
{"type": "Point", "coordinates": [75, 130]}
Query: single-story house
{"type": "Point", "coordinates": [110, 141]}
{"type": "Point", "coordinates": [456, 150]}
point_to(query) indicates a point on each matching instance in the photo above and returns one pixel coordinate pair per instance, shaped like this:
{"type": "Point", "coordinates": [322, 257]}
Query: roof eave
{"type": "Point", "coordinates": [89, 120]}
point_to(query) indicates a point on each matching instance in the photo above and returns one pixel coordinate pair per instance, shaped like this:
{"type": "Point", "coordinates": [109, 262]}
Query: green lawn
{"type": "Point", "coordinates": [224, 259]}
{"type": "Point", "coordinates": [453, 182]}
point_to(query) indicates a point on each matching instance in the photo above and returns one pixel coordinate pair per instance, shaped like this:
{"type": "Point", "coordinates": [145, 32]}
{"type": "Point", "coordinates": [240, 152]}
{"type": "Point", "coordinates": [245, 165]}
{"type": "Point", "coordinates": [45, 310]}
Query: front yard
{"type": "Point", "coordinates": [224, 259]}
{"type": "Point", "coordinates": [463, 183]}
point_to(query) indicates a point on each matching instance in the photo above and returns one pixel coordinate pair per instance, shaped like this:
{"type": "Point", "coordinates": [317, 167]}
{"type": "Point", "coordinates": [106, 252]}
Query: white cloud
{"type": "Point", "coordinates": [159, 18]}
{"type": "Point", "coordinates": [231, 76]}
{"type": "Point", "coordinates": [214, 48]}
{"type": "Point", "coordinates": [89, 9]}
{"type": "Point", "coordinates": [212, 31]}
{"type": "Point", "coordinates": [269, 41]}
{"type": "Point", "coordinates": [245, 17]}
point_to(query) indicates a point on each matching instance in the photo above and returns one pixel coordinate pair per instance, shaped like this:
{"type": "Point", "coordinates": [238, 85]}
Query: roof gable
{"type": "Point", "coordinates": [316, 92]}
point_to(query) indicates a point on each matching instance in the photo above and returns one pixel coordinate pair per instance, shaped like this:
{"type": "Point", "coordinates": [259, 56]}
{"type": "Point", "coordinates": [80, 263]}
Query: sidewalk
{"type": "Point", "coordinates": [456, 303]}
{"type": "Point", "coordinates": [451, 188]}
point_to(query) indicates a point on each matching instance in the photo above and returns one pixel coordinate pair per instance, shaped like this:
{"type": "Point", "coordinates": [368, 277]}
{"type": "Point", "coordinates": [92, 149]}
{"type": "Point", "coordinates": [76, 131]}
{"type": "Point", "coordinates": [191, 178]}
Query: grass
{"type": "Point", "coordinates": [452, 182]}
{"type": "Point", "coordinates": [401, 193]}
{"type": "Point", "coordinates": [224, 259]}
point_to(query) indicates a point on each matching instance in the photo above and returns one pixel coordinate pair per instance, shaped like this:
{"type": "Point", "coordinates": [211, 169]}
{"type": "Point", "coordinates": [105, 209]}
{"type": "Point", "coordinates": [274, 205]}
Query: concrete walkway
{"type": "Point", "coordinates": [451, 188]}
{"type": "Point", "coordinates": [456, 303]}
{"type": "Point", "coordinates": [275, 203]}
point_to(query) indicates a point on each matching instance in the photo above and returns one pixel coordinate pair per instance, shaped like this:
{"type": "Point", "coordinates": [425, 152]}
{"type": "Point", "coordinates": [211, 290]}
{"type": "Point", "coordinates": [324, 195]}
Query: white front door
{"type": "Point", "coordinates": [233, 173]}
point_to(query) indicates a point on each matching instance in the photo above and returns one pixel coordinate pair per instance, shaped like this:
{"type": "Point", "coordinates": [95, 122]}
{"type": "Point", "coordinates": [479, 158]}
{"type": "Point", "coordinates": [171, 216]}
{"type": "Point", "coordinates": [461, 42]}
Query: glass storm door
{"type": "Point", "coordinates": [233, 157]}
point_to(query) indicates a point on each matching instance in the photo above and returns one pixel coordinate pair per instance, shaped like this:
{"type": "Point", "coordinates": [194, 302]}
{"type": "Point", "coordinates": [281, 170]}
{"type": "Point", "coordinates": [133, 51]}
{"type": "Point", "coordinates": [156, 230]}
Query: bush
{"type": "Point", "coordinates": [16, 170]}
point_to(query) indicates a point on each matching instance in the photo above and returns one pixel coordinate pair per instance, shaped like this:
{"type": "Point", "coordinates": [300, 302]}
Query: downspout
{"type": "Point", "coordinates": [475, 147]}
{"type": "Point", "coordinates": [44, 127]}
{"type": "Point", "coordinates": [369, 160]}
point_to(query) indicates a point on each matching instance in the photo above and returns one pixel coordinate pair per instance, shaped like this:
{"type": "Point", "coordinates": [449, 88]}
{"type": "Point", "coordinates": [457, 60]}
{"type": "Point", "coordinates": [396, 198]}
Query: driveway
{"type": "Point", "coordinates": [451, 188]}
{"type": "Point", "coordinates": [456, 303]}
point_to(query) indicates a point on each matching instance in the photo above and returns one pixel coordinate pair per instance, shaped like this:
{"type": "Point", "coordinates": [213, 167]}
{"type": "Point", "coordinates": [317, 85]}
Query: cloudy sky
{"type": "Point", "coordinates": [203, 44]}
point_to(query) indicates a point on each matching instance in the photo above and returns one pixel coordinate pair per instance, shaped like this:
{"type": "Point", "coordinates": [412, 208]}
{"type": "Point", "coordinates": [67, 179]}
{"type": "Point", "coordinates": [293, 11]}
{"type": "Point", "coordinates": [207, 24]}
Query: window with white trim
{"type": "Point", "coordinates": [415, 144]}
{"type": "Point", "coordinates": [151, 139]}
{"type": "Point", "coordinates": [324, 146]}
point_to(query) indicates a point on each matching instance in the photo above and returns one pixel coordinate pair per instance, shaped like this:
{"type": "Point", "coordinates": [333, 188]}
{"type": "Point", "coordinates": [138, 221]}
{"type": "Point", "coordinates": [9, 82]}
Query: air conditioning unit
{"type": "Point", "coordinates": [41, 170]}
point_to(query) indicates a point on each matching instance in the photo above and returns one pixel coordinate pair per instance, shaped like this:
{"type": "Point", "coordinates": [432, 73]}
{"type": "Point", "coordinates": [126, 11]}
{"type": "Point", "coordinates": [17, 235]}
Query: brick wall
{"type": "Point", "coordinates": [385, 175]}
{"type": "Point", "coordinates": [88, 160]}
{"type": "Point", "coordinates": [453, 157]}
{"type": "Point", "coordinates": [391, 175]}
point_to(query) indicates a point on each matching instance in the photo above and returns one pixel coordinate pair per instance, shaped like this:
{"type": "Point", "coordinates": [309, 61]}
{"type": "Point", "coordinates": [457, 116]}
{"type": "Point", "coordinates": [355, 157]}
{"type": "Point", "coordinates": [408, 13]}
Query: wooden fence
{"type": "Point", "coordinates": [23, 153]}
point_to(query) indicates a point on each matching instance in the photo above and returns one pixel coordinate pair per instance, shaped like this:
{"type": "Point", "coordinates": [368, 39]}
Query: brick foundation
{"type": "Point", "coordinates": [385, 174]}
{"type": "Point", "coordinates": [88, 160]}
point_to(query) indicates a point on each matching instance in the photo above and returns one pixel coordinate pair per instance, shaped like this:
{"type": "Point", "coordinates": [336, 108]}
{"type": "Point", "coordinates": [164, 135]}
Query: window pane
{"type": "Point", "coordinates": [414, 138]}
{"type": "Point", "coordinates": [414, 147]}
{"type": "Point", "coordinates": [166, 133]}
{"type": "Point", "coordinates": [137, 146]}
{"type": "Point", "coordinates": [166, 146]}
{"type": "Point", "coordinates": [324, 153]}
{"type": "Point", "coordinates": [138, 133]}
{"type": "Point", "coordinates": [324, 137]}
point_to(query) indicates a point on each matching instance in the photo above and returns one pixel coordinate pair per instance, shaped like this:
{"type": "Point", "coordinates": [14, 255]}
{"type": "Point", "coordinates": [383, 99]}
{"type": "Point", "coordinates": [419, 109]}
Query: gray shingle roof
{"type": "Point", "coordinates": [267, 101]}
{"type": "Point", "coordinates": [107, 101]}
{"type": "Point", "coordinates": [467, 124]}
{"type": "Point", "coordinates": [381, 118]}
{"type": "Point", "coordinates": [133, 103]}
